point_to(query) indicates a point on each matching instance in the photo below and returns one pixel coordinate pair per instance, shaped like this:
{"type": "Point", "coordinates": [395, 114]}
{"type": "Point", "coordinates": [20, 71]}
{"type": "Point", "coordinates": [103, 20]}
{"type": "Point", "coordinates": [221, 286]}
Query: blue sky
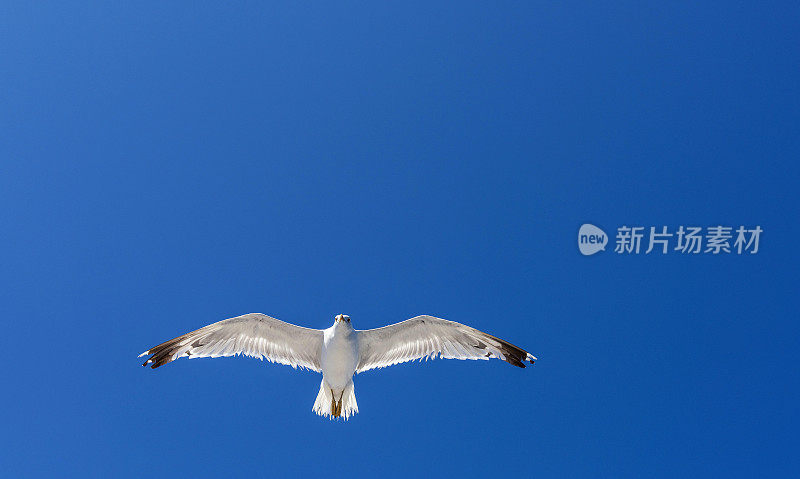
{"type": "Point", "coordinates": [164, 166]}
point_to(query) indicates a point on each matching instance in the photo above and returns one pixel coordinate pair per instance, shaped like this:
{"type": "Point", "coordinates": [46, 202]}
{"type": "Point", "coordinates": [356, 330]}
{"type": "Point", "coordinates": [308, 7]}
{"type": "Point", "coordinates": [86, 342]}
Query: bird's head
{"type": "Point", "coordinates": [342, 318]}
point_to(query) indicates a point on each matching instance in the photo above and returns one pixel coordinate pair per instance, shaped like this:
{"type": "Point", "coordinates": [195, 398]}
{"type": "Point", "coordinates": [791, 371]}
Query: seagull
{"type": "Point", "coordinates": [338, 352]}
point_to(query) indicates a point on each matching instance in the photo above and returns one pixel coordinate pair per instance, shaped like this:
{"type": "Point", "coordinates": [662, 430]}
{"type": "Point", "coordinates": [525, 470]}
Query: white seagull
{"type": "Point", "coordinates": [339, 352]}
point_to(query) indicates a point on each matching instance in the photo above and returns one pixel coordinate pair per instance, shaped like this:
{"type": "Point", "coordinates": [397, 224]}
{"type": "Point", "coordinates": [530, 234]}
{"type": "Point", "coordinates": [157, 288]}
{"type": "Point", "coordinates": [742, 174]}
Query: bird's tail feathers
{"type": "Point", "coordinates": [348, 405]}
{"type": "Point", "coordinates": [334, 404]}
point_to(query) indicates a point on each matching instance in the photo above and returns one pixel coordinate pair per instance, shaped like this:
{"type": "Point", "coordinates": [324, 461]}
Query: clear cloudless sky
{"type": "Point", "coordinates": [165, 165]}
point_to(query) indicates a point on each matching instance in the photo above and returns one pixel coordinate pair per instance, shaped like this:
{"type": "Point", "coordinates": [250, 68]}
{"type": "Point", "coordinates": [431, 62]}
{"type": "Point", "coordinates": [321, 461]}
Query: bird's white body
{"type": "Point", "coordinates": [338, 362]}
{"type": "Point", "coordinates": [339, 355]}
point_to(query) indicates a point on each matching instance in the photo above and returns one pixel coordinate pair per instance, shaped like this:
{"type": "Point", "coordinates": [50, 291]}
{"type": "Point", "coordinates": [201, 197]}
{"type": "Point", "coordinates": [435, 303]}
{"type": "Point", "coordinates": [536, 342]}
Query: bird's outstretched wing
{"type": "Point", "coordinates": [429, 337]}
{"type": "Point", "coordinates": [256, 335]}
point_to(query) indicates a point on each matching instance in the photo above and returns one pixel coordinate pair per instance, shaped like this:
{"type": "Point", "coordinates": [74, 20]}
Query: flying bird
{"type": "Point", "coordinates": [338, 352]}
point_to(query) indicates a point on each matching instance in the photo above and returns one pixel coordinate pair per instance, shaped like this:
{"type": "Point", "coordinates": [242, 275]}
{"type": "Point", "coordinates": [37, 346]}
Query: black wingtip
{"type": "Point", "coordinates": [156, 359]}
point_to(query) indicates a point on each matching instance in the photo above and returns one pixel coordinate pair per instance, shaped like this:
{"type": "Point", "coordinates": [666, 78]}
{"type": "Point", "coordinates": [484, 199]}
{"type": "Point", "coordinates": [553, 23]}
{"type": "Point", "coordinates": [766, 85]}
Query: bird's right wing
{"type": "Point", "coordinates": [430, 337]}
{"type": "Point", "coordinates": [254, 334]}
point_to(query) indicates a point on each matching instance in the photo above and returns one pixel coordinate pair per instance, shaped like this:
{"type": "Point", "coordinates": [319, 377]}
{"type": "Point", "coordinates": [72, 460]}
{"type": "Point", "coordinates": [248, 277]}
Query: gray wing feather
{"type": "Point", "coordinates": [425, 337]}
{"type": "Point", "coordinates": [256, 335]}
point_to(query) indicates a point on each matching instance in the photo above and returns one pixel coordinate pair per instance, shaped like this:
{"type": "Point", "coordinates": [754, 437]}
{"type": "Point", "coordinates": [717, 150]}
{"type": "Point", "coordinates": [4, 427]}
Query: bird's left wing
{"type": "Point", "coordinates": [429, 337]}
{"type": "Point", "coordinates": [254, 334]}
